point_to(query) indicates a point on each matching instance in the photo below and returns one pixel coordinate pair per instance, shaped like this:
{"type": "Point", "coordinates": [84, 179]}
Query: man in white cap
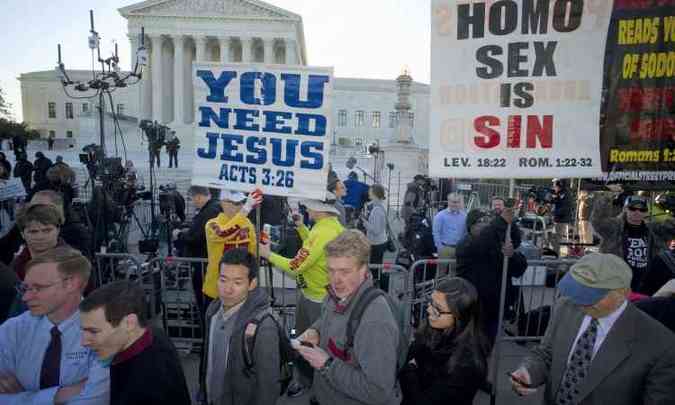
{"type": "Point", "coordinates": [309, 267]}
{"type": "Point", "coordinates": [231, 229]}
{"type": "Point", "coordinates": [600, 349]}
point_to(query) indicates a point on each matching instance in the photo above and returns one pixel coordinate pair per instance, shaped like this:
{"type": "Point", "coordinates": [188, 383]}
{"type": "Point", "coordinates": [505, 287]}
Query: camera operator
{"type": "Point", "coordinates": [193, 239]}
{"type": "Point", "coordinates": [414, 197]}
{"type": "Point", "coordinates": [562, 212]}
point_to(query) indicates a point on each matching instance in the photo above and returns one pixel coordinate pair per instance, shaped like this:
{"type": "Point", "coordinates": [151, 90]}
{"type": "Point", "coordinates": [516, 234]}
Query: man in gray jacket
{"type": "Point", "coordinates": [232, 323]}
{"type": "Point", "coordinates": [365, 373]}
{"type": "Point", "coordinates": [599, 349]}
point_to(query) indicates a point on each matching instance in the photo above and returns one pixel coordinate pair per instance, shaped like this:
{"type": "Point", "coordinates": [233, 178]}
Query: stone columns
{"type": "Point", "coordinates": [224, 43]}
{"type": "Point", "coordinates": [133, 39]}
{"type": "Point", "coordinates": [246, 50]}
{"type": "Point", "coordinates": [200, 43]}
{"type": "Point", "coordinates": [179, 77]}
{"type": "Point", "coordinates": [156, 64]}
{"type": "Point", "coordinates": [291, 53]}
{"type": "Point", "coordinates": [268, 45]}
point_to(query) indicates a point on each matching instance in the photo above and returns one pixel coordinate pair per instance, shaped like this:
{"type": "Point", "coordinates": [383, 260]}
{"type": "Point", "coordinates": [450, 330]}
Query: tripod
{"type": "Point", "coordinates": [121, 237]}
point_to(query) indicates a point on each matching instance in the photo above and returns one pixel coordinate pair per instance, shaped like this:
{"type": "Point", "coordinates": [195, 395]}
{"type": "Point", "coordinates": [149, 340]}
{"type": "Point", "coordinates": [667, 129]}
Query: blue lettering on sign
{"type": "Point", "coordinates": [303, 124]}
{"type": "Point", "coordinates": [245, 120]}
{"type": "Point", "coordinates": [208, 115]}
{"type": "Point", "coordinates": [231, 144]}
{"type": "Point", "coordinates": [259, 154]}
{"type": "Point", "coordinates": [317, 158]}
{"type": "Point", "coordinates": [247, 88]}
{"type": "Point", "coordinates": [278, 150]}
{"type": "Point", "coordinates": [216, 87]}
{"type": "Point", "coordinates": [213, 144]}
{"type": "Point", "coordinates": [275, 120]}
{"type": "Point", "coordinates": [315, 90]}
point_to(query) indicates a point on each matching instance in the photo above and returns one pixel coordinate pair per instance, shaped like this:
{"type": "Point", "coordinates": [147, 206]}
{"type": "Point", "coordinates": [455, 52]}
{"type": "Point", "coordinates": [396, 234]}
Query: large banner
{"type": "Point", "coordinates": [516, 87]}
{"type": "Point", "coordinates": [637, 135]}
{"type": "Point", "coordinates": [265, 127]}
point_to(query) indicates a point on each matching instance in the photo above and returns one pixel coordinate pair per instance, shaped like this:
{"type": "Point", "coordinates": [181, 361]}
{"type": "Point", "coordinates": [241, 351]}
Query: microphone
{"type": "Point", "coordinates": [351, 162]}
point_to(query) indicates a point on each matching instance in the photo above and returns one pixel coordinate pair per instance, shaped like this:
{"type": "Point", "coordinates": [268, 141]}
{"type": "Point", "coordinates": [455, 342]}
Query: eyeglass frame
{"type": "Point", "coordinates": [22, 289]}
{"type": "Point", "coordinates": [437, 313]}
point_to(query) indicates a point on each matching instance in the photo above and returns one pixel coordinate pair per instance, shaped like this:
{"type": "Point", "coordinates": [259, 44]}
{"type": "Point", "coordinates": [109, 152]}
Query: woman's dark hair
{"type": "Point", "coordinates": [462, 300]}
{"type": "Point", "coordinates": [378, 191]}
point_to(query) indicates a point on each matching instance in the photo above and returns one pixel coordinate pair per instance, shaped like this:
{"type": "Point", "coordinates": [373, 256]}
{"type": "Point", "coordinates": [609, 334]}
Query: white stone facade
{"type": "Point", "coordinates": [180, 32]}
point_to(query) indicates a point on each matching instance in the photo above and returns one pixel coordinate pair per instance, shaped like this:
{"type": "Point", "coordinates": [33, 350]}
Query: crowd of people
{"type": "Point", "coordinates": [62, 340]}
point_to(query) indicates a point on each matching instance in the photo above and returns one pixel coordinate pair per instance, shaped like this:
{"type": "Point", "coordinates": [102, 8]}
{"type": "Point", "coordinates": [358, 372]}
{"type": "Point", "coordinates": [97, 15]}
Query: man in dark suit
{"type": "Point", "coordinates": [193, 240]}
{"type": "Point", "coordinates": [600, 349]}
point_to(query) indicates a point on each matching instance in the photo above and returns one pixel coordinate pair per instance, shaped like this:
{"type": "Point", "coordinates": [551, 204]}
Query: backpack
{"type": "Point", "coordinates": [286, 353]}
{"type": "Point", "coordinates": [397, 310]}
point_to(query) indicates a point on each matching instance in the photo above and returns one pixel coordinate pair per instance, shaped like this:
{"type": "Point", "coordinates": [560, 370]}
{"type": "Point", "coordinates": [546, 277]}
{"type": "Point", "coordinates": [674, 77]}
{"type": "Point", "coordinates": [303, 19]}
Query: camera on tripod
{"type": "Point", "coordinates": [155, 132]}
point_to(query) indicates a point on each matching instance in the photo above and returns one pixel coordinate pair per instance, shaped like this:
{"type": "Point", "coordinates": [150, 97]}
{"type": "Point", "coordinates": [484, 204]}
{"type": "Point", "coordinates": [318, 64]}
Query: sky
{"type": "Point", "coordinates": [372, 39]}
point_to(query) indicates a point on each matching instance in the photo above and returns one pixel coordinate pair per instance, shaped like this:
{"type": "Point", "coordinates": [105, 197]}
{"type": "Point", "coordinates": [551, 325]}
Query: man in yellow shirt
{"type": "Point", "coordinates": [309, 267]}
{"type": "Point", "coordinates": [231, 229]}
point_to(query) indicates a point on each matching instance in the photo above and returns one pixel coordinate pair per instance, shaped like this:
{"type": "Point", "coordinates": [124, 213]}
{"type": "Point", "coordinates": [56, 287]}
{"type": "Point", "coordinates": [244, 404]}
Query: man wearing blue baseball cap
{"type": "Point", "coordinates": [600, 349]}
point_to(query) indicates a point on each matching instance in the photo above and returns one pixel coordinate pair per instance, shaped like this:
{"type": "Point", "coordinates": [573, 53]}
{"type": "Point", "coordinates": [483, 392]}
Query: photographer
{"type": "Point", "coordinates": [562, 212]}
{"type": "Point", "coordinates": [193, 239]}
{"type": "Point", "coordinates": [414, 197]}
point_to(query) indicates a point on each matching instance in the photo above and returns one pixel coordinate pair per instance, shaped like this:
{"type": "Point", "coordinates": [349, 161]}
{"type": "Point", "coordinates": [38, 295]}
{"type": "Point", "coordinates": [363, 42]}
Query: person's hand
{"type": "Point", "coordinates": [64, 394]}
{"type": "Point", "coordinates": [253, 200]}
{"type": "Point", "coordinates": [311, 336]}
{"type": "Point", "coordinates": [507, 249]}
{"type": "Point", "coordinates": [176, 234]}
{"type": "Point", "coordinates": [315, 356]}
{"type": "Point", "coordinates": [265, 249]}
{"type": "Point", "coordinates": [297, 218]}
{"type": "Point", "coordinates": [9, 384]}
{"type": "Point", "coordinates": [519, 377]}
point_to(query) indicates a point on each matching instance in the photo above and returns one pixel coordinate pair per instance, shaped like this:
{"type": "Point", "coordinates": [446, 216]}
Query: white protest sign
{"type": "Point", "coordinates": [516, 88]}
{"type": "Point", "coordinates": [12, 188]}
{"type": "Point", "coordinates": [263, 126]}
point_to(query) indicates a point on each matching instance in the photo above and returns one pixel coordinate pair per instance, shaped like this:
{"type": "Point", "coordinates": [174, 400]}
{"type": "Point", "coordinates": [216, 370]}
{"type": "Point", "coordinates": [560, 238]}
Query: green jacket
{"type": "Point", "coordinates": [309, 267]}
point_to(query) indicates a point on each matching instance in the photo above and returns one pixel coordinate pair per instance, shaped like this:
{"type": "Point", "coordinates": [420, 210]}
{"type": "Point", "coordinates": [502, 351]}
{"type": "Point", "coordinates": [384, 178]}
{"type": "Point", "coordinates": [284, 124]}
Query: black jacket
{"type": "Point", "coordinates": [151, 377]}
{"type": "Point", "coordinates": [23, 169]}
{"type": "Point", "coordinates": [194, 239]}
{"type": "Point", "coordinates": [447, 374]}
{"type": "Point", "coordinates": [480, 260]}
{"type": "Point", "coordinates": [660, 308]}
{"type": "Point", "coordinates": [41, 166]}
{"type": "Point", "coordinates": [562, 207]}
{"type": "Point", "coordinates": [661, 270]}
{"type": "Point", "coordinates": [8, 167]}
{"type": "Point", "coordinates": [8, 281]}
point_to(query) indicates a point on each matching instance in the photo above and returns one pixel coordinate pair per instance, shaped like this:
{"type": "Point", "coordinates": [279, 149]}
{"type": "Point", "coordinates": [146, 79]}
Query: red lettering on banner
{"type": "Point", "coordinates": [300, 258]}
{"type": "Point", "coordinates": [636, 99]}
{"type": "Point", "coordinates": [539, 130]}
{"type": "Point", "coordinates": [641, 4]}
{"type": "Point", "coordinates": [652, 130]}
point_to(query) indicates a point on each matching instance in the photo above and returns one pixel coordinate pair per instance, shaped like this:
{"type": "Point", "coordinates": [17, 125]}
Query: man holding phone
{"type": "Point", "coordinates": [599, 348]}
{"type": "Point", "coordinates": [364, 373]}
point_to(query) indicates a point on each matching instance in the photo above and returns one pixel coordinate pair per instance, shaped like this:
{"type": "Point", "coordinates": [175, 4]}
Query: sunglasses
{"type": "Point", "coordinates": [643, 210]}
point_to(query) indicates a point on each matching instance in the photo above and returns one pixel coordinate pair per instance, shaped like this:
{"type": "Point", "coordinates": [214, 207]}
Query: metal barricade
{"type": "Point", "coordinates": [394, 279]}
{"type": "Point", "coordinates": [116, 266]}
{"type": "Point", "coordinates": [112, 267]}
{"type": "Point", "coordinates": [181, 313]}
{"type": "Point", "coordinates": [422, 279]}
{"type": "Point", "coordinates": [526, 317]}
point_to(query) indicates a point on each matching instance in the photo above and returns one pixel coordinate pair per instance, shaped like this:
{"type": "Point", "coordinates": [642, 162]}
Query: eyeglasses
{"type": "Point", "coordinates": [437, 312]}
{"type": "Point", "coordinates": [633, 209]}
{"type": "Point", "coordinates": [23, 288]}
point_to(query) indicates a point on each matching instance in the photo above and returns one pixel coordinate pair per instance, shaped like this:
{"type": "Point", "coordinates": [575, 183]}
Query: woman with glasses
{"type": "Point", "coordinates": [447, 362]}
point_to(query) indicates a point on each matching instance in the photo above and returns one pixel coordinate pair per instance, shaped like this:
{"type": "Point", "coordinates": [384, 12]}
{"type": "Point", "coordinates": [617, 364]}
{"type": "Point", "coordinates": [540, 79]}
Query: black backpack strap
{"type": "Point", "coordinates": [360, 307]}
{"type": "Point", "coordinates": [248, 343]}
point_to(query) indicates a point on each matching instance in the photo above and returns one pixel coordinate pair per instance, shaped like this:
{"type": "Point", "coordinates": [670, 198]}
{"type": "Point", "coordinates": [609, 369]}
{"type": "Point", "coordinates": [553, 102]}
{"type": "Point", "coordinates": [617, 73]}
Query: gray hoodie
{"type": "Point", "coordinates": [263, 387]}
{"type": "Point", "coordinates": [366, 375]}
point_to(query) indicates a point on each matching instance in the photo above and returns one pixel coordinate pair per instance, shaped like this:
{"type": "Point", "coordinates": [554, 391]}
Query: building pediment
{"type": "Point", "coordinates": [207, 8]}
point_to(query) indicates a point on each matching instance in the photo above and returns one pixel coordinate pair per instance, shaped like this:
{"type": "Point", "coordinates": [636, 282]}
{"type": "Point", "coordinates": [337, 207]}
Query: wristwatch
{"type": "Point", "coordinates": [324, 369]}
